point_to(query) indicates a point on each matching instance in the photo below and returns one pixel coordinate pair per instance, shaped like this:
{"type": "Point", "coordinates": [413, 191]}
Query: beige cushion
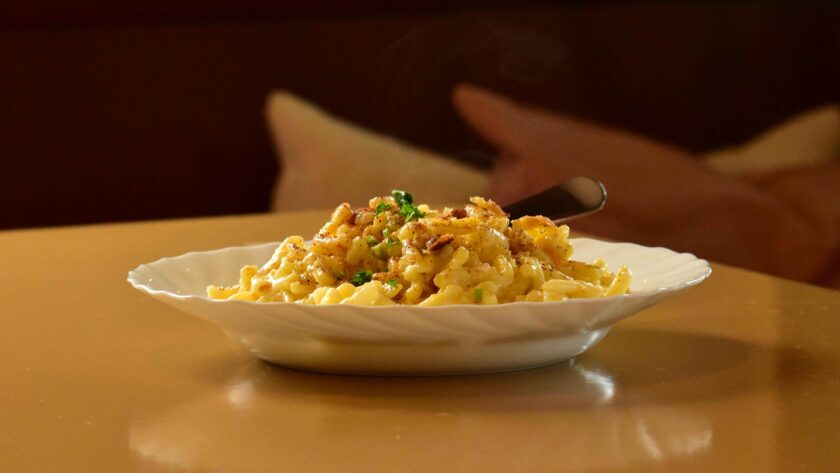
{"type": "Point", "coordinates": [811, 138]}
{"type": "Point", "coordinates": [326, 160]}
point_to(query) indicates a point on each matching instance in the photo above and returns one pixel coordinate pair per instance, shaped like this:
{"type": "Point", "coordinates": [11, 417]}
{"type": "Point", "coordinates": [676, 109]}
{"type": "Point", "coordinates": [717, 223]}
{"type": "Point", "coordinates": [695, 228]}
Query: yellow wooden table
{"type": "Point", "coordinates": [740, 374]}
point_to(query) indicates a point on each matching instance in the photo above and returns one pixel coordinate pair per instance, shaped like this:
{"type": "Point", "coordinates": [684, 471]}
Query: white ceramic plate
{"type": "Point", "coordinates": [411, 340]}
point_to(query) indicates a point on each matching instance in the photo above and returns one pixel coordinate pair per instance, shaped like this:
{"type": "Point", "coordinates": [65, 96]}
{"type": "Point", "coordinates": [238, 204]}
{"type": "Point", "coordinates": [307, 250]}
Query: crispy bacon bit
{"type": "Point", "coordinates": [439, 241]}
{"type": "Point", "coordinates": [459, 213]}
{"type": "Point", "coordinates": [384, 276]}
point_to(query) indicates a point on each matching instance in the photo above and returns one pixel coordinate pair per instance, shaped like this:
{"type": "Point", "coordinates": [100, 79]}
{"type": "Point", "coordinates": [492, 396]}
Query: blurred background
{"type": "Point", "coordinates": [115, 111]}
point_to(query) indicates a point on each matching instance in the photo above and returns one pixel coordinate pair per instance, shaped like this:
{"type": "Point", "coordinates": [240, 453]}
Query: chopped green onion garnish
{"type": "Point", "coordinates": [361, 277]}
{"type": "Point", "coordinates": [379, 251]}
{"type": "Point", "coordinates": [371, 240]}
{"type": "Point", "coordinates": [406, 203]}
{"type": "Point", "coordinates": [381, 207]}
{"type": "Point", "coordinates": [386, 248]}
{"type": "Point", "coordinates": [392, 282]}
{"type": "Point", "coordinates": [410, 212]}
{"type": "Point", "coordinates": [402, 197]}
{"type": "Point", "coordinates": [478, 295]}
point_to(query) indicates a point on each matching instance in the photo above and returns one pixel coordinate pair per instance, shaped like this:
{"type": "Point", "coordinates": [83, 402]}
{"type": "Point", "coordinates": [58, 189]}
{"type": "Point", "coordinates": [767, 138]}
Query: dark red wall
{"type": "Point", "coordinates": [157, 111]}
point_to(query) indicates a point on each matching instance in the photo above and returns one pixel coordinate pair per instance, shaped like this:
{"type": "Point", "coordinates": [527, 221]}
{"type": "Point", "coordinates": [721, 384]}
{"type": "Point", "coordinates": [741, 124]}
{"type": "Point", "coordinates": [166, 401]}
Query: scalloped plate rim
{"type": "Point", "coordinates": [135, 281]}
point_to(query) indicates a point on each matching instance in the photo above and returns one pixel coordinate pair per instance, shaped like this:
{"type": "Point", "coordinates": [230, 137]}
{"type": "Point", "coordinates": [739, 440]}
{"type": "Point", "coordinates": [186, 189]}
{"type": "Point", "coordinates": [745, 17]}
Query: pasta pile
{"type": "Point", "coordinates": [393, 252]}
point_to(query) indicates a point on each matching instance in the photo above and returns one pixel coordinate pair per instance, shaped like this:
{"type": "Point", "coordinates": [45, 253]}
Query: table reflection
{"type": "Point", "coordinates": [274, 419]}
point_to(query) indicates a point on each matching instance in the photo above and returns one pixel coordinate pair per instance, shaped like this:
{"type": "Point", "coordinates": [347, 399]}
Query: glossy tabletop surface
{"type": "Point", "coordinates": [741, 373]}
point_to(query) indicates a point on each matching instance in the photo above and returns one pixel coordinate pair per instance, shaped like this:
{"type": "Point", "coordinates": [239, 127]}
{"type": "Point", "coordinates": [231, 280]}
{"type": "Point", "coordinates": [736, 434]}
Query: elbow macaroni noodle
{"type": "Point", "coordinates": [394, 253]}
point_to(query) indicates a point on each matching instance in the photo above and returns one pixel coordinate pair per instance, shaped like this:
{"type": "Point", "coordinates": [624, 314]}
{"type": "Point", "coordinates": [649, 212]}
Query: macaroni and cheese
{"type": "Point", "coordinates": [396, 252]}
